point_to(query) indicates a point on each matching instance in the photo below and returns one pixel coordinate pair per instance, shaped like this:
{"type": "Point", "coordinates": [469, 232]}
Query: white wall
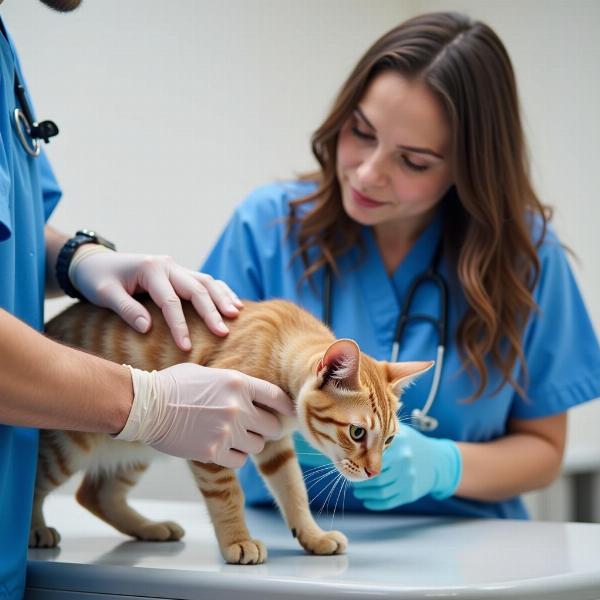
{"type": "Point", "coordinates": [169, 117]}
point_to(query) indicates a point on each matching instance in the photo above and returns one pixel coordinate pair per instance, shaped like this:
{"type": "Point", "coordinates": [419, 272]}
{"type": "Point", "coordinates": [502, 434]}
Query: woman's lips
{"type": "Point", "coordinates": [365, 201]}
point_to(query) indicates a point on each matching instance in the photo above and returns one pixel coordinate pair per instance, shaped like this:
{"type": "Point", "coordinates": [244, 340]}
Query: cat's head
{"type": "Point", "coordinates": [347, 407]}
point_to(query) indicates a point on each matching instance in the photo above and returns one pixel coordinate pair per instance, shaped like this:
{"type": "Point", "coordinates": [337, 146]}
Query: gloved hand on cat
{"type": "Point", "coordinates": [413, 466]}
{"type": "Point", "coordinates": [109, 279]}
{"type": "Point", "coordinates": [204, 414]}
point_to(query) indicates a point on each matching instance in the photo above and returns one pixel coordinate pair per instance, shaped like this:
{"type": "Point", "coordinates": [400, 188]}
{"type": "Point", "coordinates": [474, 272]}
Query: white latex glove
{"type": "Point", "coordinates": [109, 279]}
{"type": "Point", "coordinates": [199, 413]}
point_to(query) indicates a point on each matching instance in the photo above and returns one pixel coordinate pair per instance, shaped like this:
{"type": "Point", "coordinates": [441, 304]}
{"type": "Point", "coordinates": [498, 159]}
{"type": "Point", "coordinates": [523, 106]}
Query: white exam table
{"type": "Point", "coordinates": [388, 557]}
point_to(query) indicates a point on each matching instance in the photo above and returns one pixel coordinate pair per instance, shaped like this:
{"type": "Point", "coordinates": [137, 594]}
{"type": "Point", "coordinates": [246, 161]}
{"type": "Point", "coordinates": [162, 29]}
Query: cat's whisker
{"type": "Point", "coordinates": [313, 483]}
{"type": "Point", "coordinates": [337, 500]}
{"type": "Point", "coordinates": [319, 471]}
{"type": "Point", "coordinates": [324, 489]}
{"type": "Point", "coordinates": [346, 485]}
{"type": "Point", "coordinates": [317, 478]}
{"type": "Point", "coordinates": [318, 468]}
{"type": "Point", "coordinates": [405, 419]}
{"type": "Point", "coordinates": [313, 470]}
{"type": "Point", "coordinates": [332, 488]}
{"type": "Point", "coordinates": [337, 482]}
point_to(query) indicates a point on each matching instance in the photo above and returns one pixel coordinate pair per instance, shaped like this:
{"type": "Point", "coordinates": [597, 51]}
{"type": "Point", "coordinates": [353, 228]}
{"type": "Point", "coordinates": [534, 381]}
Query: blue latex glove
{"type": "Point", "coordinates": [307, 455]}
{"type": "Point", "coordinates": [413, 466]}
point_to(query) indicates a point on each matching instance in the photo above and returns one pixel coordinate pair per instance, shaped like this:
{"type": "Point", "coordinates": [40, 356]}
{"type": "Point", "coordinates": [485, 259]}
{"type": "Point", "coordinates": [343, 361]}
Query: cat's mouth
{"type": "Point", "coordinates": [350, 470]}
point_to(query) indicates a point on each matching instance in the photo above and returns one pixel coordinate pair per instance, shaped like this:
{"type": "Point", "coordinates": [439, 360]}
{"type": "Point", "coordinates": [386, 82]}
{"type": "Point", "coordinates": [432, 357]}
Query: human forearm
{"type": "Point", "coordinates": [55, 240]}
{"type": "Point", "coordinates": [519, 462]}
{"type": "Point", "coordinates": [48, 385]}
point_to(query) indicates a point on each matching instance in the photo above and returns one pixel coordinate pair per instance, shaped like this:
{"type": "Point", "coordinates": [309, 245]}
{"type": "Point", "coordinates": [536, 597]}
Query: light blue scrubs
{"type": "Point", "coordinates": [28, 194]}
{"type": "Point", "coordinates": [254, 256]}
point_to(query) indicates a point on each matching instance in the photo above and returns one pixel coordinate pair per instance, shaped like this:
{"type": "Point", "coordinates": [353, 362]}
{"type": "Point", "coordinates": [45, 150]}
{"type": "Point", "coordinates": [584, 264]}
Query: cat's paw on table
{"type": "Point", "coordinates": [246, 552]}
{"type": "Point", "coordinates": [43, 537]}
{"type": "Point", "coordinates": [323, 542]}
{"type": "Point", "coordinates": [164, 531]}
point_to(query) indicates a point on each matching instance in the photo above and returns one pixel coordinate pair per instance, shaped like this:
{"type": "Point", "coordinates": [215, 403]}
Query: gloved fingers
{"type": "Point", "coordinates": [223, 296]}
{"type": "Point", "coordinates": [210, 297]}
{"type": "Point", "coordinates": [383, 479]}
{"type": "Point", "coordinates": [250, 443]}
{"type": "Point", "coordinates": [376, 493]}
{"type": "Point", "coordinates": [114, 296]}
{"type": "Point", "coordinates": [399, 456]}
{"type": "Point", "coordinates": [265, 424]}
{"type": "Point", "coordinates": [158, 285]}
{"type": "Point", "coordinates": [388, 504]}
{"type": "Point", "coordinates": [266, 394]}
{"type": "Point", "coordinates": [232, 459]}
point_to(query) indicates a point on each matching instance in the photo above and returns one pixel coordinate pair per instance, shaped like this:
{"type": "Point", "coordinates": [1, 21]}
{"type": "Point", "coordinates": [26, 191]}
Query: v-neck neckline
{"type": "Point", "coordinates": [384, 293]}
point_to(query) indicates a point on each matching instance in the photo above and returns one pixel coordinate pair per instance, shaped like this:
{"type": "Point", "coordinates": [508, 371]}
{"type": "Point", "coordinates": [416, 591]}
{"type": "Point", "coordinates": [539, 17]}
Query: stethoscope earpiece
{"type": "Point", "coordinates": [423, 422]}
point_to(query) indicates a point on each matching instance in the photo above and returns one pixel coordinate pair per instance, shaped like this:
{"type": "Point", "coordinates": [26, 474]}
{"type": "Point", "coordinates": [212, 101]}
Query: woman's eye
{"type": "Point", "coordinates": [413, 166]}
{"type": "Point", "coordinates": [363, 135]}
{"type": "Point", "coordinates": [389, 440]}
{"type": "Point", "coordinates": [357, 433]}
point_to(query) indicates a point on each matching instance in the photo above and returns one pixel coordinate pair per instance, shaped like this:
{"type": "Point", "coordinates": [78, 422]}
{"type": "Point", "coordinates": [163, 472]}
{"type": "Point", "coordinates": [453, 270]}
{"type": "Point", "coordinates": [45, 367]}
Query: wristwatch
{"type": "Point", "coordinates": [65, 256]}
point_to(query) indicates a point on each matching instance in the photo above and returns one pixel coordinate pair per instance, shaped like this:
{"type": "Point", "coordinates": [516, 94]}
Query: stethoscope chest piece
{"type": "Point", "coordinates": [23, 127]}
{"type": "Point", "coordinates": [423, 422]}
{"type": "Point", "coordinates": [30, 133]}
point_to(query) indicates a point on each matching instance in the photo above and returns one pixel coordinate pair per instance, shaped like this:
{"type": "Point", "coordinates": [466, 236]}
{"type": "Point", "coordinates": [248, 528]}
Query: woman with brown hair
{"type": "Point", "coordinates": [423, 169]}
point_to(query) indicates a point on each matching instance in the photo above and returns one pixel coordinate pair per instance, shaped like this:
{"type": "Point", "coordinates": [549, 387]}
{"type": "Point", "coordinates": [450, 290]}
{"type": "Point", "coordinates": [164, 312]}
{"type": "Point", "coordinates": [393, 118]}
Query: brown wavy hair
{"type": "Point", "coordinates": [491, 207]}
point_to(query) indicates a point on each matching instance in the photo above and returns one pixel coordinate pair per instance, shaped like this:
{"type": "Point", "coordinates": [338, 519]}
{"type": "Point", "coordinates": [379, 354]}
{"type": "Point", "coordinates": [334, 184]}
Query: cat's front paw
{"type": "Point", "coordinates": [317, 541]}
{"type": "Point", "coordinates": [165, 531]}
{"type": "Point", "coordinates": [43, 537]}
{"type": "Point", "coordinates": [246, 552]}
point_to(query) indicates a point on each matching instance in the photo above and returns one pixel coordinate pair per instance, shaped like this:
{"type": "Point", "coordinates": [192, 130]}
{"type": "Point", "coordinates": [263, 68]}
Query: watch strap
{"type": "Point", "coordinates": [66, 254]}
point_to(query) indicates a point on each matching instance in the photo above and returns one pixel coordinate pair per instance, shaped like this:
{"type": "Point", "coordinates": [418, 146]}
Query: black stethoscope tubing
{"type": "Point", "coordinates": [420, 417]}
{"type": "Point", "coordinates": [29, 131]}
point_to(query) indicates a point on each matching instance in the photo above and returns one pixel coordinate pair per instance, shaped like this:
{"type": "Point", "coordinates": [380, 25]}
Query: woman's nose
{"type": "Point", "coordinates": [371, 172]}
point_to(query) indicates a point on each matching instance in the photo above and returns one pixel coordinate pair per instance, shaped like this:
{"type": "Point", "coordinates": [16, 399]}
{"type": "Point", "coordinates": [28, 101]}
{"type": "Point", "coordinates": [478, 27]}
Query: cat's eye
{"type": "Point", "coordinates": [357, 433]}
{"type": "Point", "coordinates": [389, 440]}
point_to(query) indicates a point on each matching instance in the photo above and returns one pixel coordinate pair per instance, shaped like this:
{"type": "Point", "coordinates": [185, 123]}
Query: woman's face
{"type": "Point", "coordinates": [392, 154]}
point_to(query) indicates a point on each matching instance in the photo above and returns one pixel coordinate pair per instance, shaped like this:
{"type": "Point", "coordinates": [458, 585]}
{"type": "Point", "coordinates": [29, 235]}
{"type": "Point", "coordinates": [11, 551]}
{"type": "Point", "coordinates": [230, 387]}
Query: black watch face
{"type": "Point", "coordinates": [96, 237]}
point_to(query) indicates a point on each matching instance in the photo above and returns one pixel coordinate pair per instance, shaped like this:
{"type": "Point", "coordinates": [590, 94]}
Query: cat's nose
{"type": "Point", "coordinates": [371, 472]}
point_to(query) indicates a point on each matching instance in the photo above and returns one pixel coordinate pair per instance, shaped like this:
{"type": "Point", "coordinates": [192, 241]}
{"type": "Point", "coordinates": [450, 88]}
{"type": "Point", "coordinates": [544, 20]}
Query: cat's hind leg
{"type": "Point", "coordinates": [60, 454]}
{"type": "Point", "coordinates": [104, 493]}
{"type": "Point", "coordinates": [225, 503]}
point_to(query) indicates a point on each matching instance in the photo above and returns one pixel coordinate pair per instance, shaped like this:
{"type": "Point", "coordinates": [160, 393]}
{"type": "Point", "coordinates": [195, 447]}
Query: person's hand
{"type": "Point", "coordinates": [414, 465]}
{"type": "Point", "coordinates": [210, 415]}
{"type": "Point", "coordinates": [307, 455]}
{"type": "Point", "coordinates": [109, 279]}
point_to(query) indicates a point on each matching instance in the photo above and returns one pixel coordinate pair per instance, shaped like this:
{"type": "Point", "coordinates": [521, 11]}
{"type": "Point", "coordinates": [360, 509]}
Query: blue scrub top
{"type": "Point", "coordinates": [28, 194]}
{"type": "Point", "coordinates": [254, 256]}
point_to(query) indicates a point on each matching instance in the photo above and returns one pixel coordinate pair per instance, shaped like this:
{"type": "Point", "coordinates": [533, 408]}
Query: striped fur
{"type": "Point", "coordinates": [336, 390]}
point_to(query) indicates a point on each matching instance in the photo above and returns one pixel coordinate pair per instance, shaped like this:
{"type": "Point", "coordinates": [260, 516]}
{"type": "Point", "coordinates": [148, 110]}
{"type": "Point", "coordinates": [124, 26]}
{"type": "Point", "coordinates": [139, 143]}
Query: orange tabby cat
{"type": "Point", "coordinates": [346, 406]}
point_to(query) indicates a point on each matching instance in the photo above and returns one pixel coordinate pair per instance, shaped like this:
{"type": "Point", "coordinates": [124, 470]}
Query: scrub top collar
{"type": "Point", "coordinates": [384, 293]}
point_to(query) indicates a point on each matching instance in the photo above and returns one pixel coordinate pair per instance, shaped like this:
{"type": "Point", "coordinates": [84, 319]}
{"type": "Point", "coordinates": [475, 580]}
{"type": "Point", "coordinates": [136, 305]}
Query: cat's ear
{"type": "Point", "coordinates": [340, 365]}
{"type": "Point", "coordinates": [401, 374]}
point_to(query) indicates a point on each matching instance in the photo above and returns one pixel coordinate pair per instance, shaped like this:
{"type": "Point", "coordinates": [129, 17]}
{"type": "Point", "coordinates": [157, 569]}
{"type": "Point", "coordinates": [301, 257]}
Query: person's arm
{"type": "Point", "coordinates": [55, 240]}
{"type": "Point", "coordinates": [529, 457]}
{"type": "Point", "coordinates": [45, 384]}
{"type": "Point", "coordinates": [195, 412]}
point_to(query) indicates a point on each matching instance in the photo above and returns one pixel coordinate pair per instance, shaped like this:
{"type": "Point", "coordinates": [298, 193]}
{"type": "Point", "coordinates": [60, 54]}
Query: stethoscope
{"type": "Point", "coordinates": [29, 131]}
{"type": "Point", "coordinates": [420, 418]}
